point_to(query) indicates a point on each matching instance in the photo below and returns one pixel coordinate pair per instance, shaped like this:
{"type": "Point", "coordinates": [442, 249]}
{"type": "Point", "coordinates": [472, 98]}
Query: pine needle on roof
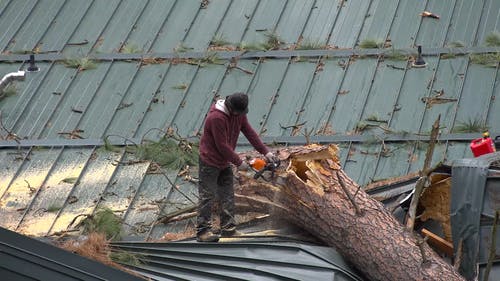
{"type": "Point", "coordinates": [493, 39]}
{"type": "Point", "coordinates": [170, 153]}
{"type": "Point", "coordinates": [104, 221]}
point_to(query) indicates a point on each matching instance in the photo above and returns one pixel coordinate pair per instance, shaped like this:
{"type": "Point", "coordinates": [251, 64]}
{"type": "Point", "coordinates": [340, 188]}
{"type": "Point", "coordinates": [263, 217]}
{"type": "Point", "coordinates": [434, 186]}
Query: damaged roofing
{"type": "Point", "coordinates": [119, 72]}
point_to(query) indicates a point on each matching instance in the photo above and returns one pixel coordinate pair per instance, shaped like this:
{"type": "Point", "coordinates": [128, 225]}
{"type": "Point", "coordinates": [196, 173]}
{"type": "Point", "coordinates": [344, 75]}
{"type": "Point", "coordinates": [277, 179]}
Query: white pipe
{"type": "Point", "coordinates": [9, 77]}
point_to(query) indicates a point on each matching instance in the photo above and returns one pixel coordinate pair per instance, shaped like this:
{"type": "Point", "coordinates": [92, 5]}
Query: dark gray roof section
{"type": "Point", "coordinates": [475, 189]}
{"type": "Point", "coordinates": [242, 260]}
{"type": "Point", "coordinates": [24, 258]}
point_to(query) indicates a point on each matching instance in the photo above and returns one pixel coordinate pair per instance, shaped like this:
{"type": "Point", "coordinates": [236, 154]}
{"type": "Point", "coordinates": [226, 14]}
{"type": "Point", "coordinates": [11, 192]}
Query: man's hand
{"type": "Point", "coordinates": [270, 157]}
{"type": "Point", "coordinates": [243, 166]}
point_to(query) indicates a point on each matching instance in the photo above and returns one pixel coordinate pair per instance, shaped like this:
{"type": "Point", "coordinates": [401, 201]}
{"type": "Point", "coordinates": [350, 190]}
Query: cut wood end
{"type": "Point", "coordinates": [316, 152]}
{"type": "Point", "coordinates": [309, 165]}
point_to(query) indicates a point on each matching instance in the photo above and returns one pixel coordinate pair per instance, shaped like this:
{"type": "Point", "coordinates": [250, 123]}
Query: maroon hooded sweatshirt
{"type": "Point", "coordinates": [220, 135]}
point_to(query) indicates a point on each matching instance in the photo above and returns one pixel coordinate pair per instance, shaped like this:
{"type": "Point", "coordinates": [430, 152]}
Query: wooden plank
{"type": "Point", "coordinates": [438, 243]}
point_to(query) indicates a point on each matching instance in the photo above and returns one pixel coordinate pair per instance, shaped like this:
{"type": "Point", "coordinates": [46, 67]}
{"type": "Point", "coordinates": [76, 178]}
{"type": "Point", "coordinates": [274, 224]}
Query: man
{"type": "Point", "coordinates": [223, 124]}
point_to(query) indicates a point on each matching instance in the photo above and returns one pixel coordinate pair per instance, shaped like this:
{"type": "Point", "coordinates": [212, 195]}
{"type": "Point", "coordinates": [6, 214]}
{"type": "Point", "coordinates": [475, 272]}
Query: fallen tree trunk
{"type": "Point", "coordinates": [312, 191]}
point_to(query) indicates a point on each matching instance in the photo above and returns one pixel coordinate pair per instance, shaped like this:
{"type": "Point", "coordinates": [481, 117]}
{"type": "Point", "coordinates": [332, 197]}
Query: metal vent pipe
{"type": "Point", "coordinates": [9, 77]}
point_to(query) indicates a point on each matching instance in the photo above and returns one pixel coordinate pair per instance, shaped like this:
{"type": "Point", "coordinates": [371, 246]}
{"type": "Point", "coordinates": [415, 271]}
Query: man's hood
{"type": "Point", "coordinates": [219, 105]}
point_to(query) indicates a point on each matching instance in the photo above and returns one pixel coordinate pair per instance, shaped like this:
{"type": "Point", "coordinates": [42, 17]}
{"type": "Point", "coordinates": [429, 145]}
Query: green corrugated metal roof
{"type": "Point", "coordinates": [328, 92]}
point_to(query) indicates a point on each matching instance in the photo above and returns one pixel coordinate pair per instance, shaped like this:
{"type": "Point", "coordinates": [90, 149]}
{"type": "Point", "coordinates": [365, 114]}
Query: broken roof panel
{"type": "Point", "coordinates": [240, 261]}
{"type": "Point", "coordinates": [25, 258]}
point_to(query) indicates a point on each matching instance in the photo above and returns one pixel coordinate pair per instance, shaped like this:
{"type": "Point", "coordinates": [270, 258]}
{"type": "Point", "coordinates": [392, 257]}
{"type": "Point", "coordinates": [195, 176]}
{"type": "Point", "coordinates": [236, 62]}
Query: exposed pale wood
{"type": "Point", "coordinates": [439, 243]}
{"type": "Point", "coordinates": [436, 200]}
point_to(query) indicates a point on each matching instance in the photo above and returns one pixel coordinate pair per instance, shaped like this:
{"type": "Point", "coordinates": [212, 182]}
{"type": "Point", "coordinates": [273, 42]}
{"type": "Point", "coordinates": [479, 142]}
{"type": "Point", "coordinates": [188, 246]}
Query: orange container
{"type": "Point", "coordinates": [482, 146]}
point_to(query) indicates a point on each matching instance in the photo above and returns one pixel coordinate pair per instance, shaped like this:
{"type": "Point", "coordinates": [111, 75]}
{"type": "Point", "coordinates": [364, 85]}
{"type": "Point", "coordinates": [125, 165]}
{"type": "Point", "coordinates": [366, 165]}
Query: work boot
{"type": "Point", "coordinates": [207, 236]}
{"type": "Point", "coordinates": [230, 232]}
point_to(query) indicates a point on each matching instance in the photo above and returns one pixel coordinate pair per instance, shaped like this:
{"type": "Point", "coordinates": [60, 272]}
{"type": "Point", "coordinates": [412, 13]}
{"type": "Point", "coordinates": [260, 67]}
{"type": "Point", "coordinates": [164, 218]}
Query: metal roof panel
{"type": "Point", "coordinates": [62, 27]}
{"type": "Point", "coordinates": [361, 163]}
{"type": "Point", "coordinates": [167, 99]}
{"type": "Point", "coordinates": [290, 98]}
{"type": "Point", "coordinates": [147, 204]}
{"type": "Point", "coordinates": [293, 19]}
{"type": "Point", "coordinates": [236, 20]}
{"type": "Point", "coordinates": [393, 161]}
{"type": "Point", "coordinates": [416, 85]}
{"type": "Point", "coordinates": [204, 27]}
{"type": "Point", "coordinates": [47, 97]}
{"type": "Point", "coordinates": [264, 21]}
{"type": "Point", "coordinates": [14, 106]}
{"type": "Point", "coordinates": [378, 21]}
{"type": "Point", "coordinates": [464, 23]}
{"type": "Point", "coordinates": [93, 180]}
{"type": "Point", "coordinates": [75, 101]}
{"type": "Point", "coordinates": [200, 94]}
{"type": "Point", "coordinates": [150, 25]}
{"type": "Point", "coordinates": [12, 161]}
{"type": "Point", "coordinates": [448, 84]}
{"type": "Point", "coordinates": [320, 101]}
{"type": "Point", "coordinates": [406, 23]}
{"type": "Point", "coordinates": [349, 23]}
{"type": "Point", "coordinates": [25, 185]}
{"type": "Point", "coordinates": [476, 95]}
{"type": "Point", "coordinates": [177, 25]}
{"type": "Point", "coordinates": [433, 32]}
{"type": "Point", "coordinates": [54, 191]}
{"type": "Point", "coordinates": [41, 16]}
{"type": "Point", "coordinates": [124, 18]}
{"type": "Point", "coordinates": [25, 258]}
{"type": "Point", "coordinates": [238, 78]}
{"type": "Point", "coordinates": [138, 100]}
{"type": "Point", "coordinates": [382, 98]}
{"type": "Point", "coordinates": [13, 15]}
{"type": "Point", "coordinates": [107, 99]}
{"type": "Point", "coordinates": [320, 23]}
{"type": "Point", "coordinates": [351, 98]}
{"type": "Point", "coordinates": [494, 108]}
{"type": "Point", "coordinates": [265, 85]}
{"type": "Point", "coordinates": [89, 29]}
{"type": "Point", "coordinates": [490, 20]}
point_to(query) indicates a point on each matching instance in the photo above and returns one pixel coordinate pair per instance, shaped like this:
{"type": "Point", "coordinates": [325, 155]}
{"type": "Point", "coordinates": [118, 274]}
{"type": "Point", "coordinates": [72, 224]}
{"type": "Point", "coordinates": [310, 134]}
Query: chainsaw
{"type": "Point", "coordinates": [259, 166]}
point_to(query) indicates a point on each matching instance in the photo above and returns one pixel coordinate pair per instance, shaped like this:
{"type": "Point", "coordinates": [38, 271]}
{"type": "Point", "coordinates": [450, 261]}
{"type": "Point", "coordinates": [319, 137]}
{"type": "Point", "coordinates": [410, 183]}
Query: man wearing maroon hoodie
{"type": "Point", "coordinates": [223, 124]}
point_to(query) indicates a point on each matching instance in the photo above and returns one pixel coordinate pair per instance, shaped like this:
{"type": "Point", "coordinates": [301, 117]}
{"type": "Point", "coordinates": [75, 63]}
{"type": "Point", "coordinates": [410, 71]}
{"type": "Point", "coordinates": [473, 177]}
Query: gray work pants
{"type": "Point", "coordinates": [215, 184]}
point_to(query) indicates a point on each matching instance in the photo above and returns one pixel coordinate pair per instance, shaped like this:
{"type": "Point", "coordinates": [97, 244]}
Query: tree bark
{"type": "Point", "coordinates": [312, 191]}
